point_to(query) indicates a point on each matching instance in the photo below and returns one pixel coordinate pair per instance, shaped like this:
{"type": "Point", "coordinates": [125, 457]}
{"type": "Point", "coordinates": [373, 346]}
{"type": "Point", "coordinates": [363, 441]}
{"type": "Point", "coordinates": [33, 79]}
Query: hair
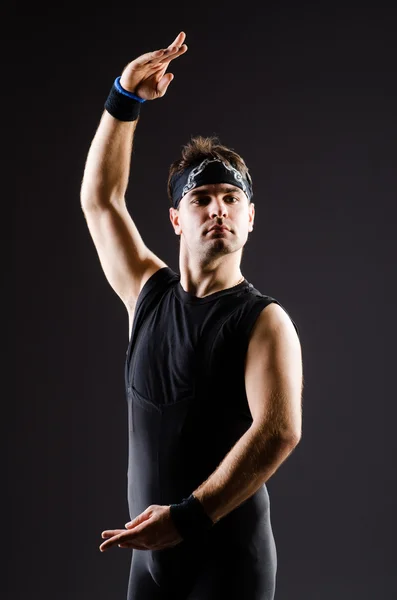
{"type": "Point", "coordinates": [199, 148]}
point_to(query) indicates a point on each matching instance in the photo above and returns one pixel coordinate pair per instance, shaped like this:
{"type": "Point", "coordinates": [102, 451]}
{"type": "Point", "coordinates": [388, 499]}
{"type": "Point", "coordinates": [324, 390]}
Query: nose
{"type": "Point", "coordinates": [219, 210]}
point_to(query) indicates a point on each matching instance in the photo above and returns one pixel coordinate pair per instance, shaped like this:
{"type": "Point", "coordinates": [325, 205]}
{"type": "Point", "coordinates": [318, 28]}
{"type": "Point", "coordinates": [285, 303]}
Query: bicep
{"type": "Point", "coordinates": [274, 374]}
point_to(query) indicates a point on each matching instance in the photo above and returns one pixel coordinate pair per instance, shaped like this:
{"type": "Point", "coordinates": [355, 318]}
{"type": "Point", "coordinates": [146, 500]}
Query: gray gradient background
{"type": "Point", "coordinates": [307, 94]}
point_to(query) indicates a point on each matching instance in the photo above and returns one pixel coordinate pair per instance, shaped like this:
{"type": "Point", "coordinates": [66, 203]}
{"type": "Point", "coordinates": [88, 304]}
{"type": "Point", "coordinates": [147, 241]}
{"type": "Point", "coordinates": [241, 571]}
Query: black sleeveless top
{"type": "Point", "coordinates": [184, 378]}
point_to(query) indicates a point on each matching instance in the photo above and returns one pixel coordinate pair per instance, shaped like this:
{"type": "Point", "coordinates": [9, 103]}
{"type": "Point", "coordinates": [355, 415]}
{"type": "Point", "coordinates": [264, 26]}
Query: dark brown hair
{"type": "Point", "coordinates": [200, 148]}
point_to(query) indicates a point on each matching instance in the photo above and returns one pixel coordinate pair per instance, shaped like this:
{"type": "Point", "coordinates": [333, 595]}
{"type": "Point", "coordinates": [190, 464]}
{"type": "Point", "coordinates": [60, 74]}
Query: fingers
{"type": "Point", "coordinates": [180, 38]}
{"type": "Point", "coordinates": [166, 56]}
{"type": "Point", "coordinates": [121, 538]}
{"type": "Point", "coordinates": [178, 41]}
{"type": "Point", "coordinates": [164, 83]}
{"type": "Point", "coordinates": [111, 532]}
{"type": "Point", "coordinates": [112, 538]}
{"type": "Point", "coordinates": [175, 49]}
{"type": "Point", "coordinates": [149, 57]}
{"type": "Point", "coordinates": [145, 516]}
{"type": "Point", "coordinates": [171, 54]}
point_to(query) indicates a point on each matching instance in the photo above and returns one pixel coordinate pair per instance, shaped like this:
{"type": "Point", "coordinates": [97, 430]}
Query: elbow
{"type": "Point", "coordinates": [288, 437]}
{"type": "Point", "coordinates": [291, 439]}
{"type": "Point", "coordinates": [279, 437]}
{"type": "Point", "coordinates": [290, 433]}
{"type": "Point", "coordinates": [283, 436]}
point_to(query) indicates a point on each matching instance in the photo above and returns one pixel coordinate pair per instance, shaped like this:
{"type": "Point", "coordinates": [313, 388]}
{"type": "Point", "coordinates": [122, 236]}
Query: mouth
{"type": "Point", "coordinates": [218, 229]}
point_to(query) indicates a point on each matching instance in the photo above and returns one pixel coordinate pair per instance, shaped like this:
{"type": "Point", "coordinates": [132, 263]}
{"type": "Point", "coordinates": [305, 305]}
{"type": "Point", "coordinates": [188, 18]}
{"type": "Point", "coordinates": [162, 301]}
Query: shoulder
{"type": "Point", "coordinates": [274, 350]}
{"type": "Point", "coordinates": [274, 323]}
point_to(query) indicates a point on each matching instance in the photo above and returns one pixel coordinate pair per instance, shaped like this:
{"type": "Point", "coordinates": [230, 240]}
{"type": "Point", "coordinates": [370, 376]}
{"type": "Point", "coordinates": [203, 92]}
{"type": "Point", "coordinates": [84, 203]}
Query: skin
{"type": "Point", "coordinates": [209, 261]}
{"type": "Point", "coordinates": [146, 75]}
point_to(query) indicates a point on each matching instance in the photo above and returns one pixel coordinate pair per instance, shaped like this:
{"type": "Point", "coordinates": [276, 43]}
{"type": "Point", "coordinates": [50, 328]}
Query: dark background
{"type": "Point", "coordinates": [306, 92]}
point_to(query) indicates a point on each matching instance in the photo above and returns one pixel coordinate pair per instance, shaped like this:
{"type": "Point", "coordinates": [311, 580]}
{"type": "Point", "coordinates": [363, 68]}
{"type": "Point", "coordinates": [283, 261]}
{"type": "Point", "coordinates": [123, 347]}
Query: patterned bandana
{"type": "Point", "coordinates": [208, 171]}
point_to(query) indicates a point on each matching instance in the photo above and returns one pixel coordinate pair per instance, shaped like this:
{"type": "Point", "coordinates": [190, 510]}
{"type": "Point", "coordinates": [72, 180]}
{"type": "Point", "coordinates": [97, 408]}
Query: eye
{"type": "Point", "coordinates": [206, 199]}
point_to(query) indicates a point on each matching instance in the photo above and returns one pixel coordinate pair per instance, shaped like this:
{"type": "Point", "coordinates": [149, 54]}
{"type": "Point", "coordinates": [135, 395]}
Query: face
{"type": "Point", "coordinates": [209, 205]}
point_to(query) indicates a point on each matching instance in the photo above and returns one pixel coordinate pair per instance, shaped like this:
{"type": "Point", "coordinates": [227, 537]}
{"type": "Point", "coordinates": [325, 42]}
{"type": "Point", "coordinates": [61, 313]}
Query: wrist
{"type": "Point", "coordinates": [121, 104]}
{"type": "Point", "coordinates": [190, 518]}
{"type": "Point", "coordinates": [120, 88]}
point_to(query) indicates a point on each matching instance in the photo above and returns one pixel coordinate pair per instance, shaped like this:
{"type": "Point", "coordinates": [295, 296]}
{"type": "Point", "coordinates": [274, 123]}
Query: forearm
{"type": "Point", "coordinates": [249, 464]}
{"type": "Point", "coordinates": [108, 162]}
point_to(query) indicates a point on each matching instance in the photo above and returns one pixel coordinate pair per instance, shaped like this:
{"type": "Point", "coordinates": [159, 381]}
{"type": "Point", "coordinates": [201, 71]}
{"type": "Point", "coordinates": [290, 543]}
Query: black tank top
{"type": "Point", "coordinates": [184, 378]}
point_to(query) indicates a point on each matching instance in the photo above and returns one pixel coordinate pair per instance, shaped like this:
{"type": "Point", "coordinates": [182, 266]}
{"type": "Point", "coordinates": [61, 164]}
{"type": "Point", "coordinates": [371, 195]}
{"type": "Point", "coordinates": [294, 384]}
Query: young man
{"type": "Point", "coordinates": [213, 372]}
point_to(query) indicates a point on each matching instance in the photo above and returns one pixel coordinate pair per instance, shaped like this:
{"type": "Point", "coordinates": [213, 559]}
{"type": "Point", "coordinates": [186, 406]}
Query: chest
{"type": "Point", "coordinates": [179, 351]}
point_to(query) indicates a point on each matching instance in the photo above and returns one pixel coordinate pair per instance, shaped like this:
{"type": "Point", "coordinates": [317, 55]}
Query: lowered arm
{"type": "Point", "coordinates": [274, 383]}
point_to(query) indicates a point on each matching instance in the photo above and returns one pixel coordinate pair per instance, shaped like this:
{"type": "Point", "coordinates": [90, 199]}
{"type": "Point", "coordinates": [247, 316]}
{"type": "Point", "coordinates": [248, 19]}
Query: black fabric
{"type": "Point", "coordinates": [187, 407]}
{"type": "Point", "coordinates": [190, 518]}
{"type": "Point", "coordinates": [122, 107]}
{"type": "Point", "coordinates": [213, 171]}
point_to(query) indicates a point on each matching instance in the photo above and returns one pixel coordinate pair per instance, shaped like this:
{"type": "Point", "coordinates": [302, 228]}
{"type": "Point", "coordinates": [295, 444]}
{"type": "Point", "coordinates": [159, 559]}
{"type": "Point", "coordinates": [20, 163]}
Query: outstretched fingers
{"type": "Point", "coordinates": [175, 49]}
{"type": "Point", "coordinates": [149, 57]}
{"type": "Point", "coordinates": [171, 54]}
{"type": "Point", "coordinates": [178, 41]}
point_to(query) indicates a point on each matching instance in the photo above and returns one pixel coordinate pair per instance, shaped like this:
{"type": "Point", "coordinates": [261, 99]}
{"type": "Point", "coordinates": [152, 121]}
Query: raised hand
{"type": "Point", "coordinates": [146, 75]}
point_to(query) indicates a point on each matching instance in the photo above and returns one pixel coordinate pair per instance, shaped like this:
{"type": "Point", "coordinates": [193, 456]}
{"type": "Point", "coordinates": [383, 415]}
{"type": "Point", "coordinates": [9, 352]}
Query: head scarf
{"type": "Point", "coordinates": [209, 170]}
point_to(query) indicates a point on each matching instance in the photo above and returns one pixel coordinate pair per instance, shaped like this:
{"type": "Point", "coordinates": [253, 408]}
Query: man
{"type": "Point", "coordinates": [213, 372]}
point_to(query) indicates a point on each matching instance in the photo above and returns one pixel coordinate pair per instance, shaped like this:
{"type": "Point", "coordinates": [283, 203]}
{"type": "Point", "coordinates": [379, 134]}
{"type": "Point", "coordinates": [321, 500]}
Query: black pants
{"type": "Point", "coordinates": [216, 568]}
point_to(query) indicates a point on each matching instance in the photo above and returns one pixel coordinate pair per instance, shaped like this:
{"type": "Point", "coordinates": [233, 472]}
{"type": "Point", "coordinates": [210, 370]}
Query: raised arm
{"type": "Point", "coordinates": [125, 259]}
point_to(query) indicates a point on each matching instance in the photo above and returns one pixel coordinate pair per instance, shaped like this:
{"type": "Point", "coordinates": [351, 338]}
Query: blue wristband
{"type": "Point", "coordinates": [123, 105]}
{"type": "Point", "coordinates": [120, 89]}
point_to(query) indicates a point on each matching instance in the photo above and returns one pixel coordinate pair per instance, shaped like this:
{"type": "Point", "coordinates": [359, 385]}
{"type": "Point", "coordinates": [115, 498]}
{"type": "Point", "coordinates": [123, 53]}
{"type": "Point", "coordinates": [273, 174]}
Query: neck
{"type": "Point", "coordinates": [202, 282]}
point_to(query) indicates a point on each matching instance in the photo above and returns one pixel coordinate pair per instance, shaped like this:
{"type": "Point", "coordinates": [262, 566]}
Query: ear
{"type": "Point", "coordinates": [251, 209]}
{"type": "Point", "coordinates": [174, 218]}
